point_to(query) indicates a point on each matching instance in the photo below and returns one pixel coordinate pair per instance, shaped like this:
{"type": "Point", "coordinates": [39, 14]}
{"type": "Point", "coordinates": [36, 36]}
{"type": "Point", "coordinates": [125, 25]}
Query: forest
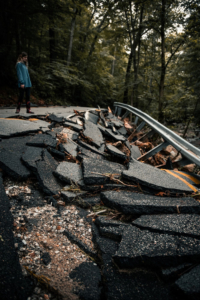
{"type": "Point", "coordinates": [91, 52]}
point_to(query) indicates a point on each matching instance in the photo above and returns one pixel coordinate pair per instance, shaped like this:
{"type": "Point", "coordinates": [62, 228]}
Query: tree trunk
{"type": "Point", "coordinates": [163, 67]}
{"type": "Point", "coordinates": [52, 40]}
{"type": "Point", "coordinates": [73, 22]}
{"type": "Point", "coordinates": [98, 31]}
{"type": "Point", "coordinates": [127, 79]}
{"type": "Point", "coordinates": [136, 61]}
{"type": "Point", "coordinates": [113, 63]}
{"type": "Point", "coordinates": [17, 39]}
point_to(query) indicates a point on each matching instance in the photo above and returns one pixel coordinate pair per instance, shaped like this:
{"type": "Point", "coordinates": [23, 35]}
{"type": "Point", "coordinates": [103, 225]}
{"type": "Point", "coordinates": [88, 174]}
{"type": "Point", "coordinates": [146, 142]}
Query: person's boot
{"type": "Point", "coordinates": [29, 111]}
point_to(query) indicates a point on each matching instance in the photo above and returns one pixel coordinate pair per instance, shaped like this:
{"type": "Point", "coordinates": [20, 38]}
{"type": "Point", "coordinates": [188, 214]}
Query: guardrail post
{"type": "Point", "coordinates": [147, 135]}
{"type": "Point", "coordinates": [153, 151]}
{"type": "Point", "coordinates": [126, 114]}
{"type": "Point", "coordinates": [136, 120]}
{"type": "Point", "coordinates": [142, 124]}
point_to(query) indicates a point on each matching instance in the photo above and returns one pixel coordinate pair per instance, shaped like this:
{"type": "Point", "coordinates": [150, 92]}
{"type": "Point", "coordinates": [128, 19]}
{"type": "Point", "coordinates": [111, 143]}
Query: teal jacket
{"type": "Point", "coordinates": [23, 75]}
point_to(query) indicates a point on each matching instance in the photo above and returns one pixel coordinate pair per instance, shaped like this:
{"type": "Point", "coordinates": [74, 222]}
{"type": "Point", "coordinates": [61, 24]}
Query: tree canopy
{"type": "Point", "coordinates": [90, 52]}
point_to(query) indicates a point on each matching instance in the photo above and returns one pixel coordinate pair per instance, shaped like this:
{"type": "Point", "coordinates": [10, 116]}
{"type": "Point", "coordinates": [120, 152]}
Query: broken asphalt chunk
{"type": "Point", "coordinates": [56, 153]}
{"type": "Point", "coordinates": [70, 173]}
{"type": "Point", "coordinates": [116, 137]}
{"type": "Point", "coordinates": [74, 126]}
{"type": "Point", "coordinates": [189, 283]}
{"type": "Point", "coordinates": [70, 194]}
{"type": "Point", "coordinates": [134, 203]}
{"type": "Point", "coordinates": [175, 272]}
{"type": "Point", "coordinates": [52, 133]}
{"type": "Point", "coordinates": [12, 165]}
{"type": "Point", "coordinates": [88, 276]}
{"type": "Point", "coordinates": [10, 157]}
{"type": "Point", "coordinates": [144, 248]}
{"type": "Point", "coordinates": [115, 152]}
{"type": "Point", "coordinates": [137, 285]}
{"type": "Point", "coordinates": [82, 152]}
{"type": "Point", "coordinates": [42, 140]}
{"type": "Point", "coordinates": [70, 147]}
{"type": "Point", "coordinates": [55, 118]}
{"type": "Point", "coordinates": [10, 127]}
{"type": "Point", "coordinates": [111, 116]}
{"type": "Point", "coordinates": [179, 224]}
{"type": "Point", "coordinates": [70, 134]}
{"type": "Point", "coordinates": [114, 233]}
{"type": "Point", "coordinates": [114, 130]}
{"type": "Point", "coordinates": [75, 120]}
{"type": "Point", "coordinates": [155, 178]}
{"type": "Point", "coordinates": [102, 221]}
{"type": "Point", "coordinates": [99, 171]}
{"type": "Point", "coordinates": [135, 152]}
{"type": "Point", "coordinates": [58, 130]}
{"type": "Point", "coordinates": [92, 132]}
{"type": "Point", "coordinates": [91, 117]}
{"type": "Point", "coordinates": [31, 156]}
{"type": "Point", "coordinates": [89, 147]}
{"type": "Point", "coordinates": [123, 131]}
{"type": "Point", "coordinates": [91, 201]}
{"type": "Point", "coordinates": [102, 129]}
{"type": "Point", "coordinates": [119, 285]}
{"type": "Point", "coordinates": [46, 179]}
{"type": "Point", "coordinates": [117, 123]}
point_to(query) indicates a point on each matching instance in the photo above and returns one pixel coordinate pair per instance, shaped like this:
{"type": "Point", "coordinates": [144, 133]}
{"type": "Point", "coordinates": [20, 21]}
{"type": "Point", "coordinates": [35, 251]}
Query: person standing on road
{"type": "Point", "coordinates": [24, 82]}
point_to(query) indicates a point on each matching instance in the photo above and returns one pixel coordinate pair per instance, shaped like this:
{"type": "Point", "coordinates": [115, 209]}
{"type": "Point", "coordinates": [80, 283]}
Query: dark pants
{"type": "Point", "coordinates": [21, 97]}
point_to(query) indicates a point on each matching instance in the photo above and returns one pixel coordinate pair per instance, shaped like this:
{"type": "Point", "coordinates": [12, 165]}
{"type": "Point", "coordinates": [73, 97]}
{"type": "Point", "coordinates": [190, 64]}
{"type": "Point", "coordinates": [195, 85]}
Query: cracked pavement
{"type": "Point", "coordinates": [82, 219]}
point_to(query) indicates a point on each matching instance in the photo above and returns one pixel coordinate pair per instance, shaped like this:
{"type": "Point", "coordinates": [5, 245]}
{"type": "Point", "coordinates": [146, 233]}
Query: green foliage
{"type": "Point", "coordinates": [79, 51]}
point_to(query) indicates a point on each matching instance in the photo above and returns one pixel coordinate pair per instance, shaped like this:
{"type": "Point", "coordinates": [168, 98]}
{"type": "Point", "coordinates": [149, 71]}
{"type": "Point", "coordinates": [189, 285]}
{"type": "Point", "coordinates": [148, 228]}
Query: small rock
{"type": "Point", "coordinates": [37, 290]}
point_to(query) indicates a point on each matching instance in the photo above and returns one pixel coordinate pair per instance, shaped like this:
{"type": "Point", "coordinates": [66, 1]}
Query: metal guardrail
{"type": "Point", "coordinates": [189, 152]}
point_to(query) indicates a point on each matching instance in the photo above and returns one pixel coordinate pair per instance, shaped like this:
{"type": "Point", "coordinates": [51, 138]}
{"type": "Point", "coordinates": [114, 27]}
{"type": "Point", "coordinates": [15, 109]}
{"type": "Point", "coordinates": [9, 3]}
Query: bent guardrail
{"type": "Point", "coordinates": [189, 152]}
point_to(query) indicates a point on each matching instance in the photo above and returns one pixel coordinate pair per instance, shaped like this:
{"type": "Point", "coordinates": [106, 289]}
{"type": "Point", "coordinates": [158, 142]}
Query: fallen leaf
{"type": "Point", "coordinates": [32, 120]}
{"type": "Point", "coordinates": [117, 144]}
{"type": "Point", "coordinates": [160, 194]}
{"type": "Point", "coordinates": [127, 125]}
{"type": "Point", "coordinates": [146, 146]}
{"type": "Point", "coordinates": [109, 110]}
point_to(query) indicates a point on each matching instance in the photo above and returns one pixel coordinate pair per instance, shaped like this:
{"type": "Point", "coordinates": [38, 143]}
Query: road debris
{"type": "Point", "coordinates": [74, 217]}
